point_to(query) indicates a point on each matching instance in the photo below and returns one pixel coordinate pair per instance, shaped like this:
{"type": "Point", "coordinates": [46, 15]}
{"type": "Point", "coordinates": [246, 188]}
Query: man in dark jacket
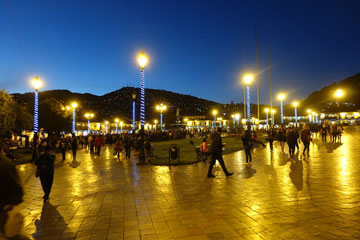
{"type": "Point", "coordinates": [216, 154]}
{"type": "Point", "coordinates": [291, 141]}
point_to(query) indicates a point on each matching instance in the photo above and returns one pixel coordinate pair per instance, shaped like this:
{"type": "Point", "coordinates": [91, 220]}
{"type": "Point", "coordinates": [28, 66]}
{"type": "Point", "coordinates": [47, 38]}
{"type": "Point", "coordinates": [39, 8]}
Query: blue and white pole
{"type": "Point", "coordinates": [73, 123]}
{"type": "Point", "coordinates": [161, 123]}
{"type": "Point", "coordinates": [267, 119]}
{"type": "Point", "coordinates": [281, 112]}
{"type": "Point", "coordinates": [248, 103]}
{"type": "Point", "coordinates": [142, 99]}
{"type": "Point", "coordinates": [36, 111]}
{"type": "Point", "coordinates": [133, 115]}
{"type": "Point", "coordinates": [296, 119]}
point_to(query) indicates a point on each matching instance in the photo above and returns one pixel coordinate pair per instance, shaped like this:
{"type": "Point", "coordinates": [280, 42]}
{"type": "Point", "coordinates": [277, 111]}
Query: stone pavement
{"type": "Point", "coordinates": [316, 197]}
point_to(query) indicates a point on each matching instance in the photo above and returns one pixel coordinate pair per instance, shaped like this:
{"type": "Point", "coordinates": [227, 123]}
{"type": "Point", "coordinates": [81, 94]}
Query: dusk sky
{"type": "Point", "coordinates": [194, 46]}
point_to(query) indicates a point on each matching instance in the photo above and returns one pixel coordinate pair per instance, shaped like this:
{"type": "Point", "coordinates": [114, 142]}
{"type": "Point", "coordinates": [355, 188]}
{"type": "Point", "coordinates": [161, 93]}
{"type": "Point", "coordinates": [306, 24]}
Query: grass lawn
{"type": "Point", "coordinates": [187, 151]}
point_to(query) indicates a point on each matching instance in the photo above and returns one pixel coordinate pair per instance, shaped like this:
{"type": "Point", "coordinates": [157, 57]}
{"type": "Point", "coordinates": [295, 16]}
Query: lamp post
{"type": "Point", "coordinates": [295, 104]}
{"type": "Point", "coordinates": [233, 117]}
{"type": "Point", "coordinates": [267, 117]}
{"type": "Point", "coordinates": [89, 116]}
{"type": "Point", "coordinates": [272, 117]}
{"type": "Point", "coordinates": [133, 95]}
{"type": "Point", "coordinates": [36, 84]}
{"type": "Point", "coordinates": [155, 121]}
{"type": "Point", "coordinates": [247, 81]}
{"type": "Point", "coordinates": [74, 106]}
{"type": "Point", "coordinates": [106, 127]}
{"type": "Point", "coordinates": [142, 61]}
{"type": "Point", "coordinates": [116, 125]}
{"type": "Point", "coordinates": [121, 127]}
{"type": "Point", "coordinates": [338, 95]}
{"type": "Point", "coordinates": [161, 108]}
{"type": "Point", "coordinates": [214, 112]}
{"type": "Point", "coordinates": [237, 117]}
{"type": "Point", "coordinates": [309, 112]}
{"type": "Point", "coordinates": [281, 98]}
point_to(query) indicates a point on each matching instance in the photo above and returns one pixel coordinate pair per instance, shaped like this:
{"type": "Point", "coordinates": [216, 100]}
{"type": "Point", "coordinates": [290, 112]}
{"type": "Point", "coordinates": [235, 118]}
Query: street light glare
{"type": "Point", "coordinates": [248, 78]}
{"type": "Point", "coordinates": [273, 111]}
{"type": "Point", "coordinates": [74, 105]}
{"type": "Point", "coordinates": [308, 111]}
{"type": "Point", "coordinates": [214, 112]}
{"type": "Point", "coordinates": [296, 104]}
{"type": "Point", "coordinates": [266, 110]}
{"type": "Point", "coordinates": [142, 59]}
{"type": "Point", "coordinates": [339, 93]}
{"type": "Point", "coordinates": [36, 82]}
{"type": "Point", "coordinates": [281, 96]}
{"type": "Point", "coordinates": [116, 120]}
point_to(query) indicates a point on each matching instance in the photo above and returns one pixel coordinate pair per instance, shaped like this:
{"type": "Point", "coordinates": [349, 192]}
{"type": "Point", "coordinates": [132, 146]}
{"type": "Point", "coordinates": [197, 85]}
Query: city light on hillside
{"type": "Point", "coordinates": [338, 93]}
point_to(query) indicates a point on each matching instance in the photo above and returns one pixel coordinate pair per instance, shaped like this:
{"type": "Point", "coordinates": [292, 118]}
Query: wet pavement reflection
{"type": "Point", "coordinates": [279, 197]}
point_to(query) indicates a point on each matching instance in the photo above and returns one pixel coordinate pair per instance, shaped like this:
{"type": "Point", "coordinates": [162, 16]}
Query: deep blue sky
{"type": "Point", "coordinates": [194, 46]}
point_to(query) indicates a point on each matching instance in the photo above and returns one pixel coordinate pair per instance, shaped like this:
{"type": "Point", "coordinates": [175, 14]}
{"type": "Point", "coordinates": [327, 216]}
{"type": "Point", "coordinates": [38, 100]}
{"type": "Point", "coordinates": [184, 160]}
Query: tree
{"type": "Point", "coordinates": [23, 120]}
{"type": "Point", "coordinates": [7, 114]}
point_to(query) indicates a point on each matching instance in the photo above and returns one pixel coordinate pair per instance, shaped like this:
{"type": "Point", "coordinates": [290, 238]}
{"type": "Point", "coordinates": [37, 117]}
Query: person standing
{"type": "Point", "coordinates": [74, 145]}
{"type": "Point", "coordinates": [118, 146]}
{"type": "Point", "coordinates": [282, 138]}
{"type": "Point", "coordinates": [45, 170]}
{"type": "Point", "coordinates": [98, 144]}
{"type": "Point", "coordinates": [271, 136]}
{"type": "Point", "coordinates": [216, 154]}
{"type": "Point", "coordinates": [247, 142]}
{"type": "Point", "coordinates": [323, 132]}
{"type": "Point", "coordinates": [305, 138]}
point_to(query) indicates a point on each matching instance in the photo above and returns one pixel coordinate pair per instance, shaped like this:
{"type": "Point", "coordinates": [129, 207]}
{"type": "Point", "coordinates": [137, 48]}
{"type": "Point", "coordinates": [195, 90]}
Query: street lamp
{"type": "Point", "coordinates": [214, 112]}
{"type": "Point", "coordinates": [272, 117]}
{"type": "Point", "coordinates": [247, 81]}
{"type": "Point", "coordinates": [267, 117]}
{"type": "Point", "coordinates": [233, 117]}
{"type": "Point", "coordinates": [142, 61]}
{"type": "Point", "coordinates": [36, 84]}
{"type": "Point", "coordinates": [237, 117]}
{"type": "Point", "coordinates": [116, 124]}
{"type": "Point", "coordinates": [161, 108]}
{"type": "Point", "coordinates": [74, 106]}
{"type": "Point", "coordinates": [89, 116]}
{"type": "Point", "coordinates": [121, 126]}
{"type": "Point", "coordinates": [281, 98]}
{"type": "Point", "coordinates": [309, 112]}
{"type": "Point", "coordinates": [106, 127]}
{"type": "Point", "coordinates": [295, 104]}
{"type": "Point", "coordinates": [133, 95]}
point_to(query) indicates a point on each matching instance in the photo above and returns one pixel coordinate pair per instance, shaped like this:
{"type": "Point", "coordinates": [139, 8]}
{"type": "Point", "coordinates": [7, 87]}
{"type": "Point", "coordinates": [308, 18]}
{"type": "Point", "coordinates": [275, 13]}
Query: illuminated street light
{"type": "Point", "coordinates": [214, 112]}
{"type": "Point", "coordinates": [296, 104]}
{"type": "Point", "coordinates": [121, 127]}
{"type": "Point", "coordinates": [237, 117]}
{"type": "Point", "coordinates": [272, 117]}
{"type": "Point", "coordinates": [267, 116]}
{"type": "Point", "coordinates": [309, 112]}
{"type": "Point", "coordinates": [281, 97]}
{"type": "Point", "coordinates": [247, 79]}
{"type": "Point", "coordinates": [155, 121]}
{"type": "Point", "coordinates": [160, 108]}
{"type": "Point", "coordinates": [338, 95]}
{"type": "Point", "coordinates": [89, 116]}
{"type": "Point", "coordinates": [116, 125]}
{"type": "Point", "coordinates": [36, 84]}
{"type": "Point", "coordinates": [106, 127]}
{"type": "Point", "coordinates": [142, 61]}
{"type": "Point", "coordinates": [74, 106]}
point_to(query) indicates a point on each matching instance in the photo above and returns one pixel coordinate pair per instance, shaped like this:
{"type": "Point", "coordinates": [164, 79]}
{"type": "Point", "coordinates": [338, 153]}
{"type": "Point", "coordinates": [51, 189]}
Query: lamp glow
{"type": "Point", "coordinates": [214, 112]}
{"type": "Point", "coordinates": [74, 106]}
{"type": "Point", "coordinates": [248, 78]}
{"type": "Point", "coordinates": [161, 108]}
{"type": "Point", "coordinates": [142, 60]}
{"type": "Point", "coordinates": [339, 93]}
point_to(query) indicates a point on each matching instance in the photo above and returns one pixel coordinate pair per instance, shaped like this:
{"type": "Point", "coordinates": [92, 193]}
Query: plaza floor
{"type": "Point", "coordinates": [316, 197]}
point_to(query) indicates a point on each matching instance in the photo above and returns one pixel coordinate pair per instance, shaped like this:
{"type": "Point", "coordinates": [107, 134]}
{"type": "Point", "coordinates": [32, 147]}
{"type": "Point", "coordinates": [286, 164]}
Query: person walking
{"type": "Point", "coordinates": [282, 138]}
{"type": "Point", "coordinates": [291, 141]}
{"type": "Point", "coordinates": [74, 145]}
{"type": "Point", "coordinates": [98, 144]}
{"type": "Point", "coordinates": [127, 143]}
{"type": "Point", "coordinates": [118, 146]}
{"type": "Point", "coordinates": [306, 138]}
{"type": "Point", "coordinates": [45, 170]}
{"type": "Point", "coordinates": [323, 132]}
{"type": "Point", "coordinates": [248, 143]}
{"type": "Point", "coordinates": [216, 154]}
{"type": "Point", "coordinates": [63, 146]}
{"type": "Point", "coordinates": [271, 137]}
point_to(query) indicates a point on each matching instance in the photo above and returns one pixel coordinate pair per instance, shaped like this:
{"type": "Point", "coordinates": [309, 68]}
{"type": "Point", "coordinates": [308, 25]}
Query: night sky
{"type": "Point", "coordinates": [194, 46]}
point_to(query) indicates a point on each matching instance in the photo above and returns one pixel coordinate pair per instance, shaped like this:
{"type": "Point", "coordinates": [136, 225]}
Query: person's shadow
{"type": "Point", "coordinates": [247, 172]}
{"type": "Point", "coordinates": [296, 173]}
{"type": "Point", "coordinates": [331, 146]}
{"type": "Point", "coordinates": [49, 218]}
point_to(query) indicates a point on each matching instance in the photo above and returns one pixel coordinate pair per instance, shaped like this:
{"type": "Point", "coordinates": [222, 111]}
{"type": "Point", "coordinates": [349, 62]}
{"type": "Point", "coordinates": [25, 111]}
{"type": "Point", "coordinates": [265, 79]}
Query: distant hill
{"type": "Point", "coordinates": [324, 100]}
{"type": "Point", "coordinates": [119, 103]}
